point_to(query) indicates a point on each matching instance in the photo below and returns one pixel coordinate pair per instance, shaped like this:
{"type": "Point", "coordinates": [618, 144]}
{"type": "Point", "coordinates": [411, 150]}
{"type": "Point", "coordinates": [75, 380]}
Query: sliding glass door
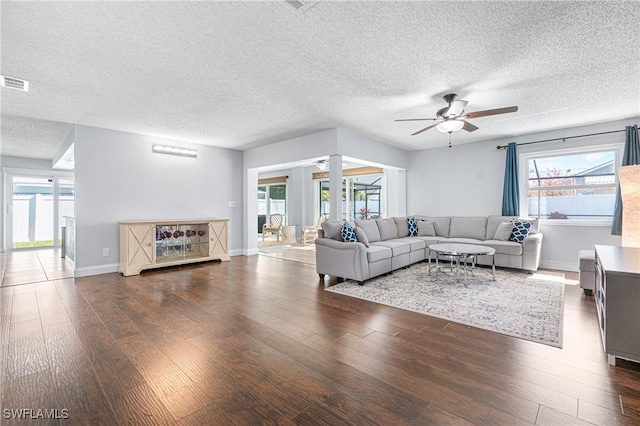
{"type": "Point", "coordinates": [272, 198]}
{"type": "Point", "coordinates": [32, 212]}
{"type": "Point", "coordinates": [360, 197]}
{"type": "Point", "coordinates": [36, 210]}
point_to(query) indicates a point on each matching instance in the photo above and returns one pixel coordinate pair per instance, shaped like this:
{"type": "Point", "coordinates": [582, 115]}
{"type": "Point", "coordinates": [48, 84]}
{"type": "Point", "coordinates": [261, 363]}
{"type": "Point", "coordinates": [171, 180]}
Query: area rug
{"type": "Point", "coordinates": [518, 304]}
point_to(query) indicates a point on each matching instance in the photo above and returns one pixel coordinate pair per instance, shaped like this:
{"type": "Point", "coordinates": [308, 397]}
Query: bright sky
{"type": "Point", "coordinates": [575, 162]}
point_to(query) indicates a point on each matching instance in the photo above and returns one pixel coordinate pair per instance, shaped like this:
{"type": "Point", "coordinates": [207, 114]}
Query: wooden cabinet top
{"type": "Point", "coordinates": [170, 222]}
{"type": "Point", "coordinates": [619, 260]}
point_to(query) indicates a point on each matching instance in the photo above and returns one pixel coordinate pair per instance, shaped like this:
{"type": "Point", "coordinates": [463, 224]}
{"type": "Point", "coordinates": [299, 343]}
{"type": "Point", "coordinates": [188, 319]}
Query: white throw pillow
{"type": "Point", "coordinates": [426, 229]}
{"type": "Point", "coordinates": [504, 231]}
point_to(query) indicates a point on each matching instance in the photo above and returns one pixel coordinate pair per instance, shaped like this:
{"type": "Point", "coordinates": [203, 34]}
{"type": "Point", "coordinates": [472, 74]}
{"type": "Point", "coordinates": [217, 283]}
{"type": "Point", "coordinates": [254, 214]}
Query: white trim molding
{"type": "Point", "coordinates": [88, 271]}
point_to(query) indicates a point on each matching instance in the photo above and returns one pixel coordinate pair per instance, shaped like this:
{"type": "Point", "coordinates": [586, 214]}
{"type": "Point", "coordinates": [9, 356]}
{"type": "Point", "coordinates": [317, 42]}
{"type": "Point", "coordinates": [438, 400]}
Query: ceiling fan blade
{"type": "Point", "coordinates": [469, 127]}
{"type": "Point", "coordinates": [456, 108]}
{"type": "Point", "coordinates": [426, 128]}
{"type": "Point", "coordinates": [415, 119]}
{"type": "Point", "coordinates": [491, 112]}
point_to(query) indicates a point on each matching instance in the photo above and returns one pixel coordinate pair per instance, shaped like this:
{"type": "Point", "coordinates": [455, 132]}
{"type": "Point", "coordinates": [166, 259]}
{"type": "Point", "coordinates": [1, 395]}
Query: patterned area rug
{"type": "Point", "coordinates": [517, 304]}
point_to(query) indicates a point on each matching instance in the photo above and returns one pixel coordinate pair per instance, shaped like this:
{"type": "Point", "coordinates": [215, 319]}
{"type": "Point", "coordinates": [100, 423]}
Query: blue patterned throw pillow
{"type": "Point", "coordinates": [520, 231]}
{"type": "Point", "coordinates": [413, 226]}
{"type": "Point", "coordinates": [348, 234]}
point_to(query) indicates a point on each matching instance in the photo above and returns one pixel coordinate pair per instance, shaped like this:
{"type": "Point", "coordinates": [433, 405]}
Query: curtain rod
{"type": "Point", "coordinates": [561, 139]}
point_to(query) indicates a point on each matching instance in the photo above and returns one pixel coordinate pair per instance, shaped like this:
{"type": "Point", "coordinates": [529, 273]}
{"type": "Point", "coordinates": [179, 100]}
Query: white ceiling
{"type": "Point", "coordinates": [243, 74]}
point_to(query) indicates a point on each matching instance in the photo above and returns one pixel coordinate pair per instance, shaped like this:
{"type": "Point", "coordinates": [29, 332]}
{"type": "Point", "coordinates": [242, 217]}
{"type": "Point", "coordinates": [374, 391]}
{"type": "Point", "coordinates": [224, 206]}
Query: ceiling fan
{"type": "Point", "coordinates": [453, 118]}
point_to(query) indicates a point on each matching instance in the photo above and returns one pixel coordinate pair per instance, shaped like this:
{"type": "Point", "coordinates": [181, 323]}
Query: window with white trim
{"type": "Point", "coordinates": [570, 184]}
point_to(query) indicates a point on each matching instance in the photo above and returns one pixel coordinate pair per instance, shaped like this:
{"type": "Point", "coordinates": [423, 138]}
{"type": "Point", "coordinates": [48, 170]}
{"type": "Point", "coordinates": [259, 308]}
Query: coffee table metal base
{"type": "Point", "coordinates": [457, 253]}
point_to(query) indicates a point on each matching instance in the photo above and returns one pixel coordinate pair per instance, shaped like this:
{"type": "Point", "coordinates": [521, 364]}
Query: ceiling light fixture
{"type": "Point", "coordinates": [449, 126]}
{"type": "Point", "coordinates": [322, 165]}
{"type": "Point", "coordinates": [301, 6]}
{"type": "Point", "coordinates": [175, 151]}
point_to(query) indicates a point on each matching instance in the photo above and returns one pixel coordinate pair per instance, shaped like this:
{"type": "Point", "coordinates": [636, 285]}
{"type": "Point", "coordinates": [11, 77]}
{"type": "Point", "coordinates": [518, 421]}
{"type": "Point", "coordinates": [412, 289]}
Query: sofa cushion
{"type": "Point", "coordinates": [468, 227]}
{"type": "Point", "coordinates": [415, 243]}
{"type": "Point", "coordinates": [370, 227]}
{"type": "Point", "coordinates": [377, 253]}
{"type": "Point", "coordinates": [492, 225]}
{"type": "Point", "coordinates": [362, 236]}
{"type": "Point", "coordinates": [504, 247]}
{"type": "Point", "coordinates": [397, 247]}
{"type": "Point", "coordinates": [402, 225]}
{"type": "Point", "coordinates": [426, 228]}
{"type": "Point", "coordinates": [387, 228]}
{"type": "Point", "coordinates": [460, 241]}
{"type": "Point", "coordinates": [348, 233]}
{"type": "Point", "coordinates": [430, 240]}
{"type": "Point", "coordinates": [440, 223]}
{"type": "Point", "coordinates": [503, 232]}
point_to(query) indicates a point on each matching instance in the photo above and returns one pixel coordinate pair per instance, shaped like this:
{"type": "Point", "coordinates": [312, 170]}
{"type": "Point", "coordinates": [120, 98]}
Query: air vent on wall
{"type": "Point", "coordinates": [14, 83]}
{"type": "Point", "coordinates": [301, 6]}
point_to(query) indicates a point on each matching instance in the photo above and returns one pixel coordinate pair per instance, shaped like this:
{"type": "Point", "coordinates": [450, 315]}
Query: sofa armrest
{"type": "Point", "coordinates": [341, 259]}
{"type": "Point", "coordinates": [532, 252]}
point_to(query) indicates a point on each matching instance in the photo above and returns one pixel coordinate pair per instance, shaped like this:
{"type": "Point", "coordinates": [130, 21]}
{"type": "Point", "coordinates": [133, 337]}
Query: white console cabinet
{"type": "Point", "coordinates": [617, 297]}
{"type": "Point", "coordinates": [153, 244]}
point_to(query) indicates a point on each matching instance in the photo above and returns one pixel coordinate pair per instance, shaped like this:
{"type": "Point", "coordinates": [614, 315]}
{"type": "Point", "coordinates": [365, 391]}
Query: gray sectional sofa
{"type": "Point", "coordinates": [384, 245]}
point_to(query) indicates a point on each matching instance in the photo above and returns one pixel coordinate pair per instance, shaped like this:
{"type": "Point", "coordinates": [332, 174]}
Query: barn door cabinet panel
{"type": "Point", "coordinates": [153, 244]}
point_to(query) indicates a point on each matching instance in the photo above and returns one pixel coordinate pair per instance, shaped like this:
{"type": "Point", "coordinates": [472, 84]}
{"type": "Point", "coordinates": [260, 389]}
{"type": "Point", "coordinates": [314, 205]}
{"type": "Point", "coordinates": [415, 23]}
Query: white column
{"type": "Point", "coordinates": [335, 187]}
{"type": "Point", "coordinates": [251, 212]}
{"type": "Point", "coordinates": [395, 193]}
{"type": "Point", "coordinates": [56, 212]}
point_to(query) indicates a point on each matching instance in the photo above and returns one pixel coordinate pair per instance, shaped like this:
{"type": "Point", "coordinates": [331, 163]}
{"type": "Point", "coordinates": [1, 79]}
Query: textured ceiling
{"type": "Point", "coordinates": [242, 74]}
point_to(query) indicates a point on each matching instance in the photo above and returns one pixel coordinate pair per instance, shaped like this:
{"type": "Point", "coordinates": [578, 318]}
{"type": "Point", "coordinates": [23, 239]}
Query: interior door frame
{"type": "Point", "coordinates": [7, 204]}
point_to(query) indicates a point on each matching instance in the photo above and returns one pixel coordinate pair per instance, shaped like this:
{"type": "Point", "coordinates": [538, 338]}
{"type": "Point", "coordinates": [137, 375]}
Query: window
{"type": "Point", "coordinates": [571, 185]}
{"type": "Point", "coordinates": [360, 197]}
{"type": "Point", "coordinates": [272, 198]}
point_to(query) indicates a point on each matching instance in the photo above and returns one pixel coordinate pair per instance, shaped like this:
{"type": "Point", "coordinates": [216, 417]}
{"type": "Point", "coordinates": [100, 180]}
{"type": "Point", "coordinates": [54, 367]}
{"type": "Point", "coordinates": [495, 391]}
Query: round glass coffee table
{"type": "Point", "coordinates": [457, 252]}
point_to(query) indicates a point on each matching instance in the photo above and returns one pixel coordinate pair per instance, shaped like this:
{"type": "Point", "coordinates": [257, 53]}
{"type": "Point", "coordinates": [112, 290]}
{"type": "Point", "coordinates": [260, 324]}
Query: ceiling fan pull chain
{"type": "Point", "coordinates": [449, 139]}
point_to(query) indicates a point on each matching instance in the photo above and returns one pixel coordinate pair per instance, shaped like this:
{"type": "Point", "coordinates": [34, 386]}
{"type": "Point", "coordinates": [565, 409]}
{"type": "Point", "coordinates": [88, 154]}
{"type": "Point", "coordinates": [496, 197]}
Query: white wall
{"type": "Point", "coordinates": [118, 178]}
{"type": "Point", "coordinates": [353, 145]}
{"type": "Point", "coordinates": [467, 180]}
{"type": "Point", "coordinates": [316, 145]}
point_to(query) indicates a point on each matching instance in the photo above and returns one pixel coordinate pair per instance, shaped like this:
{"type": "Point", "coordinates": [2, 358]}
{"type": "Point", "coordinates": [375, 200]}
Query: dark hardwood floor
{"type": "Point", "coordinates": [257, 340]}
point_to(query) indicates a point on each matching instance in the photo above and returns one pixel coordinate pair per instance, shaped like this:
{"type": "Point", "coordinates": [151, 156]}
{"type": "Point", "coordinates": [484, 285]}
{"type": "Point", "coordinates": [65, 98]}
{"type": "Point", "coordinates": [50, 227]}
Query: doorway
{"type": "Point", "coordinates": [37, 206]}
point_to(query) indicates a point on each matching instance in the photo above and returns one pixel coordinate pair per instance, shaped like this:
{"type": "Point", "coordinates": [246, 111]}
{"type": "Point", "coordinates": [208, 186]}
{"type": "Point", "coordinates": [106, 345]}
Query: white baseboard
{"type": "Point", "coordinates": [250, 252]}
{"type": "Point", "coordinates": [95, 270]}
{"type": "Point", "coordinates": [561, 266]}
{"type": "Point", "coordinates": [113, 267]}
{"type": "Point", "coordinates": [69, 262]}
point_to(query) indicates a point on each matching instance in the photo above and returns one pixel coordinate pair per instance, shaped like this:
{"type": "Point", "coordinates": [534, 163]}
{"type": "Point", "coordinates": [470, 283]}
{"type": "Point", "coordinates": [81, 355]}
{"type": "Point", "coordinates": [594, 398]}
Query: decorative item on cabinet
{"type": "Point", "coordinates": [630, 190]}
{"type": "Point", "coordinates": [153, 244]}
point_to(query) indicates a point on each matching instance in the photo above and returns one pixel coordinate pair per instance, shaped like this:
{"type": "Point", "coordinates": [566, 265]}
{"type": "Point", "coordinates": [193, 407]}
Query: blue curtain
{"type": "Point", "coordinates": [510, 190]}
{"type": "Point", "coordinates": [630, 157]}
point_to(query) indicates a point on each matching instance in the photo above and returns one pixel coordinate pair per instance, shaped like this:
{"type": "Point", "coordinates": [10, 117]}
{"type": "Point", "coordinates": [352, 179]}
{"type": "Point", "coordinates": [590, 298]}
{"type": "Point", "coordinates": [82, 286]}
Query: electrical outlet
{"type": "Point", "coordinates": [232, 203]}
{"type": "Point", "coordinates": [106, 252]}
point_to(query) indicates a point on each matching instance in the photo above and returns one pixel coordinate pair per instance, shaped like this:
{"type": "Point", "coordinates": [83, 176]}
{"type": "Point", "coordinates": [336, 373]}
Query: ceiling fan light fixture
{"type": "Point", "coordinates": [449, 126]}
